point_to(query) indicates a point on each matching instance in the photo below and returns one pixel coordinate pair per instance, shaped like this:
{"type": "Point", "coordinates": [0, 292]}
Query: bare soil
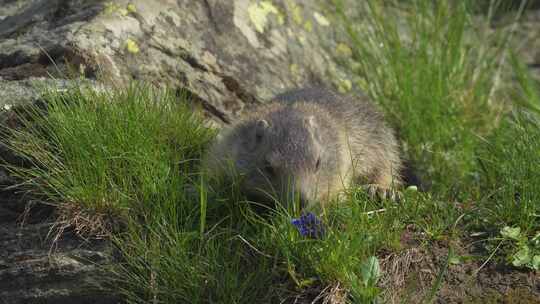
{"type": "Point", "coordinates": [411, 275]}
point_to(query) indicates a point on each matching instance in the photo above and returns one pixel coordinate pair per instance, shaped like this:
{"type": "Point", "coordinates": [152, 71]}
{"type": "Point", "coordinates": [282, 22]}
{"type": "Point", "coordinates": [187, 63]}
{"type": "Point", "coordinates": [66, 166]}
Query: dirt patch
{"type": "Point", "coordinates": [413, 274]}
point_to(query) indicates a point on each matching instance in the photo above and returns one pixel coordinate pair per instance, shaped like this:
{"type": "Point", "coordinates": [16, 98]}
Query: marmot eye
{"type": "Point", "coordinates": [318, 163]}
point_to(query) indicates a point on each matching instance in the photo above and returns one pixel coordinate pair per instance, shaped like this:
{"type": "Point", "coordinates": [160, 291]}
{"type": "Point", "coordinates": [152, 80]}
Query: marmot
{"type": "Point", "coordinates": [309, 144]}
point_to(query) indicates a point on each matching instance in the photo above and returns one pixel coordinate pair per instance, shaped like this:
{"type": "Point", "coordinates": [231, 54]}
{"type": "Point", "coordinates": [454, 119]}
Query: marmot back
{"type": "Point", "coordinates": [309, 144]}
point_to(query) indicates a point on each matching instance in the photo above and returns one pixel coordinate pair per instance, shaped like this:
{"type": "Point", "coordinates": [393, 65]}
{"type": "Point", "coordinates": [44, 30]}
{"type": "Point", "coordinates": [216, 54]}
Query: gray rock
{"type": "Point", "coordinates": [20, 92]}
{"type": "Point", "coordinates": [33, 272]}
{"type": "Point", "coordinates": [12, 7]}
{"type": "Point", "coordinates": [228, 54]}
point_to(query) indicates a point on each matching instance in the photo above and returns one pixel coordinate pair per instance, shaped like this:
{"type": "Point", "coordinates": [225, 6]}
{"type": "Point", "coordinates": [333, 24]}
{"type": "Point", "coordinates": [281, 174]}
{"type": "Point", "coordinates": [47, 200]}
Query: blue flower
{"type": "Point", "coordinates": [309, 225]}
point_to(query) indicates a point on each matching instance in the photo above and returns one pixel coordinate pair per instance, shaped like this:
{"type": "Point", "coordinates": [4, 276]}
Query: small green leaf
{"type": "Point", "coordinates": [522, 257]}
{"type": "Point", "coordinates": [536, 262]}
{"type": "Point", "coordinates": [307, 282]}
{"type": "Point", "coordinates": [371, 271]}
{"type": "Point", "coordinates": [412, 188]}
{"type": "Point", "coordinates": [511, 232]}
{"type": "Point", "coordinates": [454, 259]}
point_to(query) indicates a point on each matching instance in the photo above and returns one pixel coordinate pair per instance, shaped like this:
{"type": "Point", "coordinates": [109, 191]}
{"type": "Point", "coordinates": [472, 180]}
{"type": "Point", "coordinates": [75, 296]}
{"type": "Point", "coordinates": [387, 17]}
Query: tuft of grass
{"type": "Point", "coordinates": [438, 73]}
{"type": "Point", "coordinates": [106, 151]}
{"type": "Point", "coordinates": [434, 69]}
{"type": "Point", "coordinates": [511, 176]}
{"type": "Point", "coordinates": [510, 161]}
{"type": "Point", "coordinates": [357, 230]}
{"type": "Point", "coordinates": [172, 263]}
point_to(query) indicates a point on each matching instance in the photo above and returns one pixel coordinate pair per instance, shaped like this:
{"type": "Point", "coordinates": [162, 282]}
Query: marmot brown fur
{"type": "Point", "coordinates": [309, 144]}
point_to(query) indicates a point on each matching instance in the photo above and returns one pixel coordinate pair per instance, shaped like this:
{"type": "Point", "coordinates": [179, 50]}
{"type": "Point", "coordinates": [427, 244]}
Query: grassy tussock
{"type": "Point", "coordinates": [106, 151]}
{"type": "Point", "coordinates": [510, 161]}
{"type": "Point", "coordinates": [435, 69]}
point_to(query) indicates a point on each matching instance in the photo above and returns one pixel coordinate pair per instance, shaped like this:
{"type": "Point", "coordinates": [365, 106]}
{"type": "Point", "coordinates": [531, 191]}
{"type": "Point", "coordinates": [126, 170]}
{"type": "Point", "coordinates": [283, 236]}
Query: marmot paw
{"type": "Point", "coordinates": [379, 192]}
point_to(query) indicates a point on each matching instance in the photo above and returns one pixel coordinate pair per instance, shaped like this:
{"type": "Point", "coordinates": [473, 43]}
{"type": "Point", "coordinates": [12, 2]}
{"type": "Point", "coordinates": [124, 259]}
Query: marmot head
{"type": "Point", "coordinates": [286, 155]}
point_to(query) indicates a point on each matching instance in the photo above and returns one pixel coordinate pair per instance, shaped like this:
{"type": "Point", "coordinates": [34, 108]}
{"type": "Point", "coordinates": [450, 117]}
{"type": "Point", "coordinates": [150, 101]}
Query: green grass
{"type": "Point", "coordinates": [107, 152]}
{"type": "Point", "coordinates": [439, 74]}
{"type": "Point", "coordinates": [135, 154]}
{"type": "Point", "coordinates": [435, 76]}
{"type": "Point", "coordinates": [510, 161]}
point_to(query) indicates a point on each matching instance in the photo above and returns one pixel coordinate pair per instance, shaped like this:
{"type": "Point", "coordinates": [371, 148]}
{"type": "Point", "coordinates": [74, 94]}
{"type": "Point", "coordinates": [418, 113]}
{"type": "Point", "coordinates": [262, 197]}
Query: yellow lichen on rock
{"type": "Point", "coordinates": [110, 8]}
{"type": "Point", "coordinates": [343, 49]}
{"type": "Point", "coordinates": [123, 12]}
{"type": "Point", "coordinates": [308, 26]}
{"type": "Point", "coordinates": [280, 19]}
{"type": "Point", "coordinates": [131, 46]}
{"type": "Point", "coordinates": [131, 8]}
{"type": "Point", "coordinates": [258, 14]}
{"type": "Point", "coordinates": [295, 70]}
{"type": "Point", "coordinates": [344, 85]}
{"type": "Point", "coordinates": [296, 13]}
{"type": "Point", "coordinates": [321, 20]}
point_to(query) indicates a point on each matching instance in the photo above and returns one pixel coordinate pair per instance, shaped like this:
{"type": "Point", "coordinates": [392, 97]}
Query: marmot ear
{"type": "Point", "coordinates": [260, 129]}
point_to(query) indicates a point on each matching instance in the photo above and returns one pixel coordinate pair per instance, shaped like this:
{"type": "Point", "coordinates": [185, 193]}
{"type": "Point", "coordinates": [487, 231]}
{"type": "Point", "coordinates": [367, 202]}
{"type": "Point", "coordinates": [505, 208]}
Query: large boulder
{"type": "Point", "coordinates": [228, 54]}
{"type": "Point", "coordinates": [32, 271]}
